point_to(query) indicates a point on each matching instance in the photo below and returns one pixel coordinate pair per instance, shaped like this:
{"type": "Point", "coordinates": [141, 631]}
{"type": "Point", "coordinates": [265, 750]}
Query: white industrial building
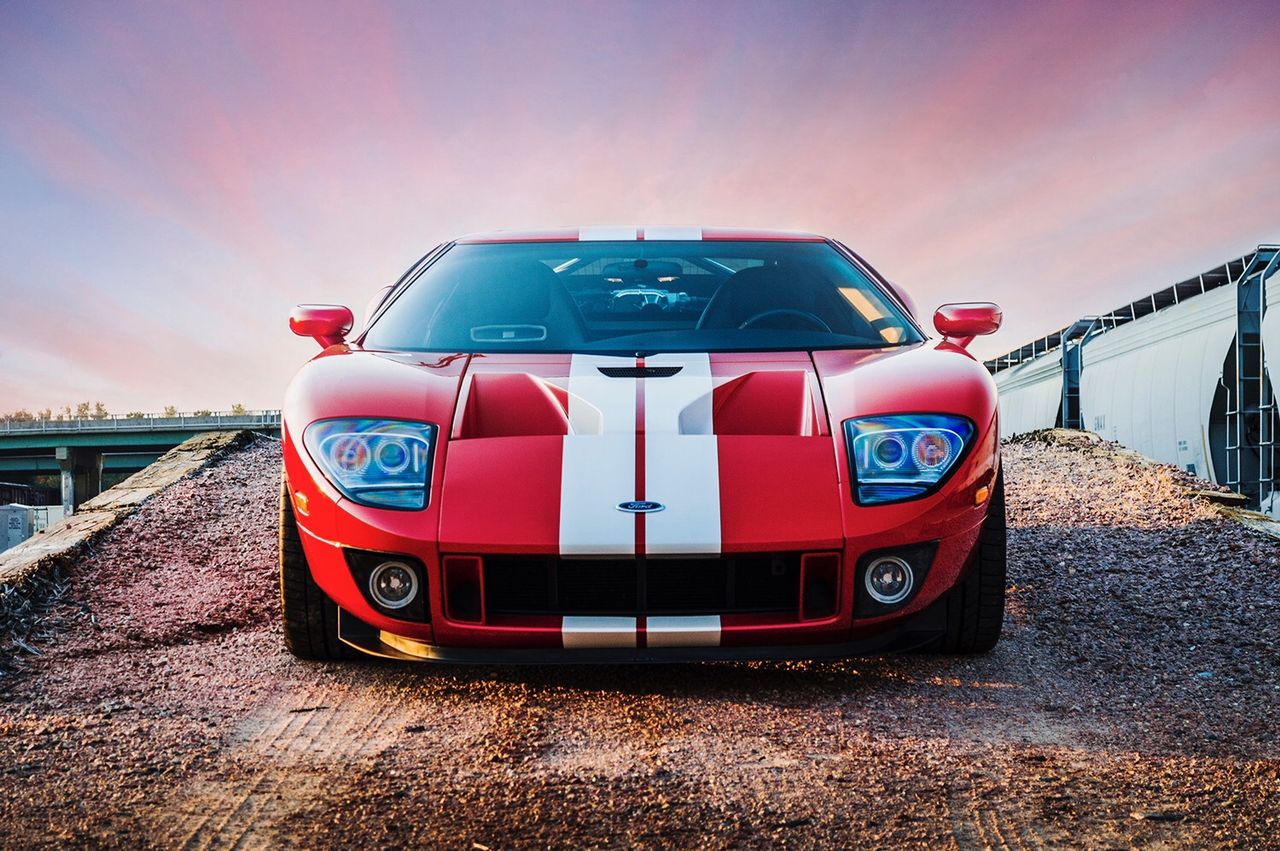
{"type": "Point", "coordinates": [1180, 376]}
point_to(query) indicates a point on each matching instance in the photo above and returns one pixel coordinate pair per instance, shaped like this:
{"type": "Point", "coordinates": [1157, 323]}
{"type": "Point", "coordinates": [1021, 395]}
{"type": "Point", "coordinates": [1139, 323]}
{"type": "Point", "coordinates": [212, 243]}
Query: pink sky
{"type": "Point", "coordinates": [173, 179]}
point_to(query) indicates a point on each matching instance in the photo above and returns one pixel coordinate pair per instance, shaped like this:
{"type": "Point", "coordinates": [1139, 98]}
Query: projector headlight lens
{"type": "Point", "coordinates": [382, 463]}
{"type": "Point", "coordinates": [890, 450]}
{"type": "Point", "coordinates": [900, 457]}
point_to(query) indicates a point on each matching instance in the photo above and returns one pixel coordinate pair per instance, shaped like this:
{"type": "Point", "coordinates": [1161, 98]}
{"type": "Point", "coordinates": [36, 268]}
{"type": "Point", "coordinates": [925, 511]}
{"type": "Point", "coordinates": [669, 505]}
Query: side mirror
{"type": "Point", "coordinates": [328, 324]}
{"type": "Point", "coordinates": [960, 323]}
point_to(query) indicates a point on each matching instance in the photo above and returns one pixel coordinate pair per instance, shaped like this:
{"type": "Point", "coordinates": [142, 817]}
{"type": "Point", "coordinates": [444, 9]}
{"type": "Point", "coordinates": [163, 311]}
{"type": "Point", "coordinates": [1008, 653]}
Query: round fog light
{"type": "Point", "coordinates": [393, 585]}
{"type": "Point", "coordinates": [889, 580]}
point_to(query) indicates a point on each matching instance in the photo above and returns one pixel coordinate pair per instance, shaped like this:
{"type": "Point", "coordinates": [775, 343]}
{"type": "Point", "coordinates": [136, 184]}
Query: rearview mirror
{"type": "Point", "coordinates": [328, 324]}
{"type": "Point", "coordinates": [960, 323]}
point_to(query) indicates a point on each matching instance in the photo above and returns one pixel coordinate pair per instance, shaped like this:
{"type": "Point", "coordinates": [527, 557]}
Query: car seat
{"type": "Point", "coordinates": [760, 289]}
{"type": "Point", "coordinates": [505, 303]}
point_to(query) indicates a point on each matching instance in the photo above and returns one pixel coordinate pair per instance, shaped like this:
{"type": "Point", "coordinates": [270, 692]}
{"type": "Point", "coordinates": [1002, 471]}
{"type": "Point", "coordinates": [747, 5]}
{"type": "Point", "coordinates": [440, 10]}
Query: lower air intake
{"type": "Point", "coordinates": [549, 585]}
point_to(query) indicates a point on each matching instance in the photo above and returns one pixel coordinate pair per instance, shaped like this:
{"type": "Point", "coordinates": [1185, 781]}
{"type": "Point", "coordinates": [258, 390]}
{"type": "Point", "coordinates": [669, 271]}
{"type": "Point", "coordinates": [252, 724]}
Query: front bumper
{"type": "Point", "coordinates": [848, 630]}
{"type": "Point", "coordinates": [949, 521]}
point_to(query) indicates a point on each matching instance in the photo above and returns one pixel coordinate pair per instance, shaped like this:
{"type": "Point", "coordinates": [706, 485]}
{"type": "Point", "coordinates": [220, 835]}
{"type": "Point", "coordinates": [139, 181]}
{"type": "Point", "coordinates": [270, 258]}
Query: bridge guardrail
{"type": "Point", "coordinates": [217, 421]}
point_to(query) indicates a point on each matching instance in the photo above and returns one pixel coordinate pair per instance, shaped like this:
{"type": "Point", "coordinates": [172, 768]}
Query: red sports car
{"type": "Point", "coordinates": [662, 443]}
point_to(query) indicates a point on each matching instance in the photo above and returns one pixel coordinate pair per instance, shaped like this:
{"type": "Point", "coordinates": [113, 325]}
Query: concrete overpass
{"type": "Point", "coordinates": [76, 456]}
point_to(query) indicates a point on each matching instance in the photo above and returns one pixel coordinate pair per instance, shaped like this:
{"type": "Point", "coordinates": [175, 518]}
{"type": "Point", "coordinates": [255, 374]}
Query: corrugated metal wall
{"type": "Point", "coordinates": [1150, 384]}
{"type": "Point", "coordinates": [1271, 328]}
{"type": "Point", "coordinates": [1030, 395]}
{"type": "Point", "coordinates": [1152, 374]}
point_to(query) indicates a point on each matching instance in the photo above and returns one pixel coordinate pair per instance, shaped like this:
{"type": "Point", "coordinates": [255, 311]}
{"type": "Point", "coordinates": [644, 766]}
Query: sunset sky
{"type": "Point", "coordinates": [173, 178]}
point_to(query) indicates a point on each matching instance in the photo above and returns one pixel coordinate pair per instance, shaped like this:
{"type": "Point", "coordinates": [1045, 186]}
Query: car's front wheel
{"type": "Point", "coordinates": [310, 617]}
{"type": "Point", "coordinates": [975, 609]}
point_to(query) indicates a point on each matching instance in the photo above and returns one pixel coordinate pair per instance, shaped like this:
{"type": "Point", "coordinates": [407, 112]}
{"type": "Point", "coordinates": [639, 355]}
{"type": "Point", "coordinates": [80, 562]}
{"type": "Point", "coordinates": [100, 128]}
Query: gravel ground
{"type": "Point", "coordinates": [1131, 703]}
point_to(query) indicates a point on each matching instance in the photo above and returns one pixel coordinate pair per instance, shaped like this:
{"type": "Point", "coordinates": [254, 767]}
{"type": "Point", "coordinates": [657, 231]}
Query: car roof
{"type": "Point", "coordinates": [629, 233]}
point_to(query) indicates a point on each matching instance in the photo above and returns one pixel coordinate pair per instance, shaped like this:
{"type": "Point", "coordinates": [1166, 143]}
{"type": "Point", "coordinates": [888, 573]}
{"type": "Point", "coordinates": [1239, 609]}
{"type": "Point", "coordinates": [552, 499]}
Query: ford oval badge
{"type": "Point", "coordinates": [640, 506]}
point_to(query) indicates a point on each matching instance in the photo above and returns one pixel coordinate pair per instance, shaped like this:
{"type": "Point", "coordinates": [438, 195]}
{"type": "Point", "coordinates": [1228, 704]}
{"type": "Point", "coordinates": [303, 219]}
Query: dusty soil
{"type": "Point", "coordinates": [1133, 702]}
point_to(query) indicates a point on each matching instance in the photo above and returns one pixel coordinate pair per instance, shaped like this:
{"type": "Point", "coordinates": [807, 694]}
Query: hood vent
{"type": "Point", "coordinates": [639, 371]}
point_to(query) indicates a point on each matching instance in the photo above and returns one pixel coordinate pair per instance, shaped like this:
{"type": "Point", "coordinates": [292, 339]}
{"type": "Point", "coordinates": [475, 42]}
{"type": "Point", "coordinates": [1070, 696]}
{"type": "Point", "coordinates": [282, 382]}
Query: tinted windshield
{"type": "Point", "coordinates": [639, 296]}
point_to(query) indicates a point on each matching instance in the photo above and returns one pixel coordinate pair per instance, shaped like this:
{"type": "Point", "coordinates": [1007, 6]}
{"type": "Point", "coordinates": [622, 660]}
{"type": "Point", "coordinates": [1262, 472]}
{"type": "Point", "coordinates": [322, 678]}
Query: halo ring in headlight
{"type": "Point", "coordinates": [393, 456]}
{"type": "Point", "coordinates": [393, 585]}
{"type": "Point", "coordinates": [932, 449]}
{"type": "Point", "coordinates": [889, 580]}
{"type": "Point", "coordinates": [350, 452]}
{"type": "Point", "coordinates": [890, 451]}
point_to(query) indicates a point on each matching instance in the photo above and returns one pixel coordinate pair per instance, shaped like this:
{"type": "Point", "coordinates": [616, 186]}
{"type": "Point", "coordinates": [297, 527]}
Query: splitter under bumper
{"type": "Point", "coordinates": [911, 634]}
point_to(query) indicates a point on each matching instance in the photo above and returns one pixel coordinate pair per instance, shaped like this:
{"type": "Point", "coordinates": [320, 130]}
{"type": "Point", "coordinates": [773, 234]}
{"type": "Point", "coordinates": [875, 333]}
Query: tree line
{"type": "Point", "coordinates": [98, 411]}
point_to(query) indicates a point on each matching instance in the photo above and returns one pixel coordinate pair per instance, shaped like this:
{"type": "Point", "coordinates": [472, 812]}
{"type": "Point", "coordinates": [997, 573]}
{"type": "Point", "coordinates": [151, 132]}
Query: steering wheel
{"type": "Point", "coordinates": [812, 318]}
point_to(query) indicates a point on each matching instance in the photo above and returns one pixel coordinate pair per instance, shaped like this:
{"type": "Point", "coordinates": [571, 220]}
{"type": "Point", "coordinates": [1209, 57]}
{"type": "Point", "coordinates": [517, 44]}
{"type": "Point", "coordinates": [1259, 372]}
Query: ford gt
{"type": "Point", "coordinates": [641, 444]}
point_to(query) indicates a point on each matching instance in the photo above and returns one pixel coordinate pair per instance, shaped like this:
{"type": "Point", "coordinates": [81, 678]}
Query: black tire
{"type": "Point", "coordinates": [310, 617]}
{"type": "Point", "coordinates": [975, 609]}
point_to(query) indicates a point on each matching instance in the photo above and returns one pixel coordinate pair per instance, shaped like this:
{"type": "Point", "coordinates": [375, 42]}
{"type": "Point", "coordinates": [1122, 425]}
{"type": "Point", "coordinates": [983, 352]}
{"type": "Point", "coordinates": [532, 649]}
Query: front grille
{"type": "Point", "coordinates": [549, 585]}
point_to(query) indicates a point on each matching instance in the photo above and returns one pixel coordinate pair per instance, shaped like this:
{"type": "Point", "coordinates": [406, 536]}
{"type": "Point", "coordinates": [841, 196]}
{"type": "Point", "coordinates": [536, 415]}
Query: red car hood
{"type": "Point", "coordinates": [730, 452]}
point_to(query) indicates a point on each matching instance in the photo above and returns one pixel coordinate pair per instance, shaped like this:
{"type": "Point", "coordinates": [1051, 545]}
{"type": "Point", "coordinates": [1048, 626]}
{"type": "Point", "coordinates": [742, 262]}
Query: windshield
{"type": "Point", "coordinates": [640, 297]}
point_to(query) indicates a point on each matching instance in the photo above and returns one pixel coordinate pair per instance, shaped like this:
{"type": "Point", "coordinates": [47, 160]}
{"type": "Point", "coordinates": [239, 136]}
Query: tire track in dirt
{"type": "Point", "coordinates": [289, 755]}
{"type": "Point", "coordinates": [286, 753]}
{"type": "Point", "coordinates": [981, 818]}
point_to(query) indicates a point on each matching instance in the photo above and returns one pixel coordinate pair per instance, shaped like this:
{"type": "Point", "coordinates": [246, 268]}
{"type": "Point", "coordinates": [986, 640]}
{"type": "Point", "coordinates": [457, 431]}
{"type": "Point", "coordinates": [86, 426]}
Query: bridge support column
{"type": "Point", "coordinates": [67, 463]}
{"type": "Point", "coordinates": [81, 475]}
{"type": "Point", "coordinates": [93, 462]}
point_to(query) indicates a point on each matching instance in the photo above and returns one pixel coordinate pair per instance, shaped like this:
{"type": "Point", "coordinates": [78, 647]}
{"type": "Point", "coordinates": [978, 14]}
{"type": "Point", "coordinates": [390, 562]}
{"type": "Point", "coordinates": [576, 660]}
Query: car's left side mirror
{"type": "Point", "coordinates": [960, 323]}
{"type": "Point", "coordinates": [328, 324]}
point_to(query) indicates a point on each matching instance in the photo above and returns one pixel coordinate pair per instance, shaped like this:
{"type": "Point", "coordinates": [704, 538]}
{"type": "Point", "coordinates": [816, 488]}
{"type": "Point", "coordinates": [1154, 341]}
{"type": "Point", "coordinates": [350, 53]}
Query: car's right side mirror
{"type": "Point", "coordinates": [960, 323]}
{"type": "Point", "coordinates": [328, 324]}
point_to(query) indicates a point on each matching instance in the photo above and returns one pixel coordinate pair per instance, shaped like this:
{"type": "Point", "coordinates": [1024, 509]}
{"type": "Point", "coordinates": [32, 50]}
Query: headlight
{"type": "Point", "coordinates": [904, 456]}
{"type": "Point", "coordinates": [383, 463]}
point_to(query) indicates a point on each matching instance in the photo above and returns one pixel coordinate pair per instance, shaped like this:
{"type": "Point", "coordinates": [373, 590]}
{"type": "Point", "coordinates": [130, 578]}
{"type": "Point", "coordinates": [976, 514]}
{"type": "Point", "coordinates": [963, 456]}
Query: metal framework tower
{"type": "Point", "coordinates": [1251, 406]}
{"type": "Point", "coordinates": [1073, 340]}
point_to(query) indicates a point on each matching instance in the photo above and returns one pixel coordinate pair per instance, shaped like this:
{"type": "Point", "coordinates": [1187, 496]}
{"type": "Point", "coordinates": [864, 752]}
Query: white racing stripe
{"type": "Point", "coordinates": [682, 465]}
{"type": "Point", "coordinates": [683, 631]}
{"type": "Point", "coordinates": [680, 404]}
{"type": "Point", "coordinates": [681, 459]}
{"type": "Point", "coordinates": [599, 466]}
{"type": "Point", "coordinates": [588, 632]}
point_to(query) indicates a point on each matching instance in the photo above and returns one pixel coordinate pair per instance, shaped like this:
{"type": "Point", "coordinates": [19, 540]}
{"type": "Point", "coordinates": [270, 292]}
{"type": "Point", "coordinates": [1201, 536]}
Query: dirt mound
{"type": "Point", "coordinates": [1092, 444]}
{"type": "Point", "coordinates": [196, 560]}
